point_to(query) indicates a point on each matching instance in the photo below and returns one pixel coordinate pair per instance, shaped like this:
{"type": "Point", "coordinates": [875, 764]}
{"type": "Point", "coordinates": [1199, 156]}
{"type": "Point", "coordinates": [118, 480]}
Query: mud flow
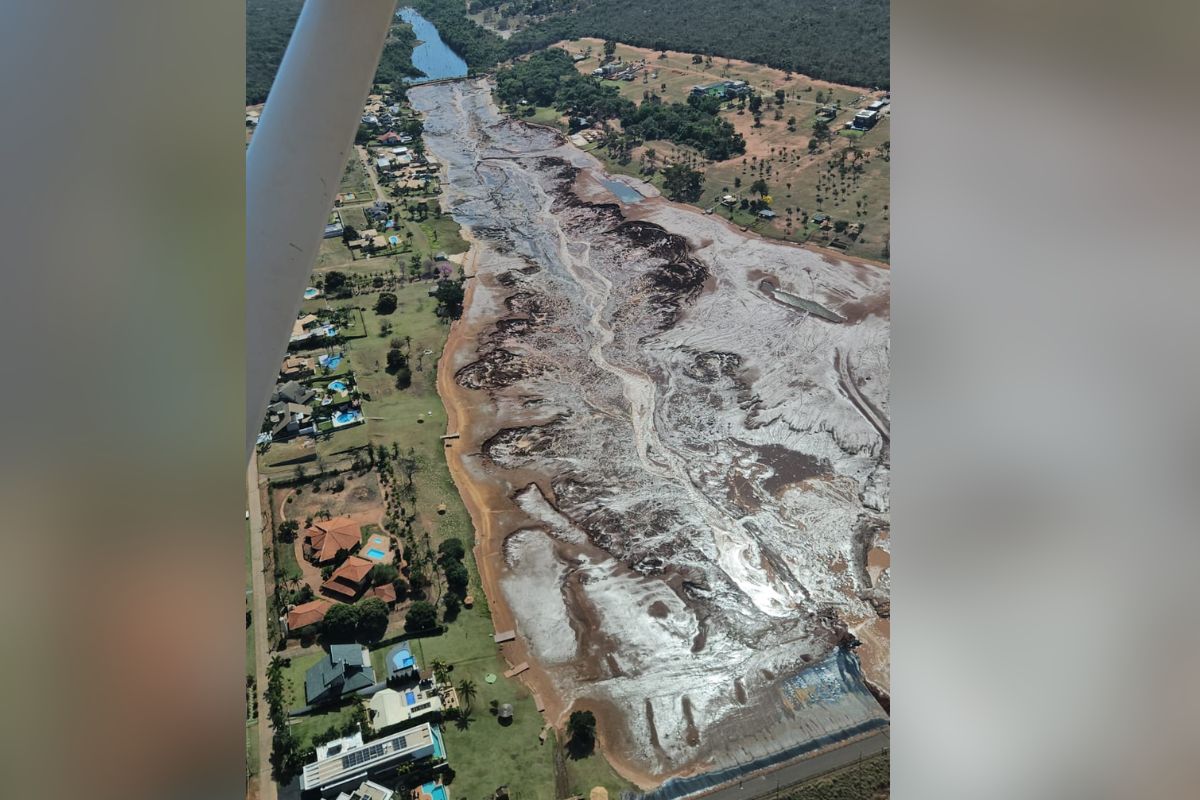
{"type": "Point", "coordinates": [685, 480]}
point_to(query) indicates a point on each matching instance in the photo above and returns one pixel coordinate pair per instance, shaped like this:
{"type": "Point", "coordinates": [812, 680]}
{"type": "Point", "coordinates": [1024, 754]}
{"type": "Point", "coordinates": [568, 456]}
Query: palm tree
{"type": "Point", "coordinates": [440, 668]}
{"type": "Point", "coordinates": [466, 691]}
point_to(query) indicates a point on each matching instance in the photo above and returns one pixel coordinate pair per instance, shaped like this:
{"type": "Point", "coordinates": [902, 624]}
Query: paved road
{"type": "Point", "coordinates": [780, 779]}
{"type": "Point", "coordinates": [262, 654]}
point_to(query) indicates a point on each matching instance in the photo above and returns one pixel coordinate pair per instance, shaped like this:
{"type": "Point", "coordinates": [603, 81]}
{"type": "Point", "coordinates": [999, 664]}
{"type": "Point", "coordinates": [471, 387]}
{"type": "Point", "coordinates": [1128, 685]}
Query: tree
{"type": "Point", "coordinates": [683, 183]}
{"type": "Point", "coordinates": [396, 361]}
{"type": "Point", "coordinates": [760, 187]}
{"type": "Point", "coordinates": [755, 103]}
{"type": "Point", "coordinates": [383, 573]}
{"type": "Point", "coordinates": [466, 691]}
{"type": "Point", "coordinates": [288, 530]}
{"type": "Point", "coordinates": [336, 284]}
{"type": "Point", "coordinates": [403, 377]}
{"type": "Point", "coordinates": [386, 303]}
{"type": "Point", "coordinates": [422, 616]}
{"type": "Point", "coordinates": [452, 549]}
{"type": "Point", "coordinates": [453, 606]}
{"type": "Point", "coordinates": [779, 95]}
{"type": "Point", "coordinates": [349, 233]}
{"type": "Point", "coordinates": [340, 624]}
{"type": "Point", "coordinates": [610, 47]}
{"type": "Point", "coordinates": [449, 296]}
{"type": "Point", "coordinates": [440, 670]}
{"type": "Point", "coordinates": [581, 728]}
{"type": "Point", "coordinates": [457, 578]}
{"type": "Point", "coordinates": [372, 619]}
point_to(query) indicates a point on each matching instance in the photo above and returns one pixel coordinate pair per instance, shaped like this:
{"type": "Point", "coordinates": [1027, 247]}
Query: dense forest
{"type": "Point", "coordinates": [845, 42]}
{"type": "Point", "coordinates": [269, 25]}
{"type": "Point", "coordinates": [550, 78]}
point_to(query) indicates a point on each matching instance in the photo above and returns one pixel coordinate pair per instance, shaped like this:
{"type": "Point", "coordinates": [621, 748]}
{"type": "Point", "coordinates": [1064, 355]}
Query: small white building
{"type": "Point", "coordinates": [368, 790]}
{"type": "Point", "coordinates": [390, 708]}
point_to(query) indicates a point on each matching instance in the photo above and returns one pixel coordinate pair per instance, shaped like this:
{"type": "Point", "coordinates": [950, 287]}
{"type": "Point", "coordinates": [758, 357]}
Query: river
{"type": "Point", "coordinates": [432, 56]}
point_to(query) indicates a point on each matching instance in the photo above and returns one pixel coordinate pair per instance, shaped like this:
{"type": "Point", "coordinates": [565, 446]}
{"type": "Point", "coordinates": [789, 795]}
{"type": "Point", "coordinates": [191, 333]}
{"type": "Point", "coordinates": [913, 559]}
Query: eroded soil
{"type": "Point", "coordinates": [685, 481]}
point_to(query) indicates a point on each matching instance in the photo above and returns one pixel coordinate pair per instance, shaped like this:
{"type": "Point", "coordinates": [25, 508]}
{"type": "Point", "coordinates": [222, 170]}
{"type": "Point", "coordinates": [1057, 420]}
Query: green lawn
{"type": "Point", "coordinates": [587, 773]}
{"type": "Point", "coordinates": [355, 178]}
{"type": "Point", "coordinates": [293, 678]}
{"type": "Point", "coordinates": [485, 755]}
{"type": "Point", "coordinates": [251, 749]}
{"type": "Point", "coordinates": [285, 557]}
{"type": "Point", "coordinates": [305, 728]}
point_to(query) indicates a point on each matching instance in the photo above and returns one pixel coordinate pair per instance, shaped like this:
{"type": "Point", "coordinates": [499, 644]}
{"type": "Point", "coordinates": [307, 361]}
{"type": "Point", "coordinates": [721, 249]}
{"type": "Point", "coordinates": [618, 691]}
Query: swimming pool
{"type": "Point", "coordinates": [410, 697]}
{"type": "Point", "coordinates": [338, 386]}
{"type": "Point", "coordinates": [401, 658]}
{"type": "Point", "coordinates": [329, 361]}
{"type": "Point", "coordinates": [394, 240]}
{"type": "Point", "coordinates": [346, 418]}
{"type": "Point", "coordinates": [311, 292]}
{"type": "Point", "coordinates": [435, 790]}
{"type": "Point", "coordinates": [375, 553]}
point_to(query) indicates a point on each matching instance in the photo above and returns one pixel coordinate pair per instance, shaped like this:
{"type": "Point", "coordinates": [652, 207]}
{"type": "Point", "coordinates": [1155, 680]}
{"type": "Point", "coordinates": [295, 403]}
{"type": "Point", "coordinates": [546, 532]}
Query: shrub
{"type": "Point", "coordinates": [581, 727]}
{"type": "Point", "coordinates": [457, 578]}
{"type": "Point", "coordinates": [372, 619]}
{"type": "Point", "coordinates": [386, 303]}
{"type": "Point", "coordinates": [340, 624]}
{"type": "Point", "coordinates": [383, 573]}
{"type": "Point", "coordinates": [422, 616]}
{"type": "Point", "coordinates": [452, 549]}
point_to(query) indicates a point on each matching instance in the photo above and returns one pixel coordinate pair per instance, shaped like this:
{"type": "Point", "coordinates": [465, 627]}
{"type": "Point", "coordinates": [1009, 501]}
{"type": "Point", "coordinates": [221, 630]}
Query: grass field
{"type": "Point", "coordinates": [586, 773]}
{"type": "Point", "coordinates": [355, 179]}
{"type": "Point", "coordinates": [855, 190]}
{"type": "Point", "coordinates": [483, 754]}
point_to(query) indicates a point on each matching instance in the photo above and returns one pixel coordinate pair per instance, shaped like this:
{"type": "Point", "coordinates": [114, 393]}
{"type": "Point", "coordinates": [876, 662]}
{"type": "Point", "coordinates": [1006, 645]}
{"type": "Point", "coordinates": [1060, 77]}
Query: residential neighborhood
{"type": "Point", "coordinates": [377, 649]}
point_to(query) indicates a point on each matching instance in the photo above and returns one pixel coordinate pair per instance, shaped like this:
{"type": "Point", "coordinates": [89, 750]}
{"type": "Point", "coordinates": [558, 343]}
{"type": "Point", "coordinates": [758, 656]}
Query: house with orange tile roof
{"type": "Point", "coordinates": [386, 593]}
{"type": "Point", "coordinates": [349, 580]}
{"type": "Point", "coordinates": [324, 539]}
{"type": "Point", "coordinates": [306, 614]}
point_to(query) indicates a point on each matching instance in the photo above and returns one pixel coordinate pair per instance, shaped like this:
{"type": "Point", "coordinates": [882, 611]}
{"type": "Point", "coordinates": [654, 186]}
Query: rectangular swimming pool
{"type": "Point", "coordinates": [375, 553]}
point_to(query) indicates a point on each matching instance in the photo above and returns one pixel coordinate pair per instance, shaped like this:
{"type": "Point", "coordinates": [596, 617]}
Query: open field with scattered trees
{"type": "Point", "coordinates": [803, 167]}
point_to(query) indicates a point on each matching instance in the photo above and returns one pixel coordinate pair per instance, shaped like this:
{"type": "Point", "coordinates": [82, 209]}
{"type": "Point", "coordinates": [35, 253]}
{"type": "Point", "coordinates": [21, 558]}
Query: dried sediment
{"type": "Point", "coordinates": [671, 471]}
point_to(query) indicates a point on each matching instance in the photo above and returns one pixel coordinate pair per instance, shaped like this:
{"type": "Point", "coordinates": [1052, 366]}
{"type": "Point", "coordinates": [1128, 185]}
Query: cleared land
{"type": "Point", "coordinates": [847, 178]}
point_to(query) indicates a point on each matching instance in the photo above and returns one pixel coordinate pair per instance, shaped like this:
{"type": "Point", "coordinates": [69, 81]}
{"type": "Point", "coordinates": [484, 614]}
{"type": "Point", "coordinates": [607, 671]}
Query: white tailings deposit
{"type": "Point", "coordinates": [690, 474]}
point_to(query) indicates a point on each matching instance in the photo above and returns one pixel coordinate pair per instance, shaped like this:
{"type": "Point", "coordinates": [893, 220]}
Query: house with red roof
{"type": "Point", "coordinates": [324, 539]}
{"type": "Point", "coordinates": [348, 581]}
{"type": "Point", "coordinates": [305, 614]}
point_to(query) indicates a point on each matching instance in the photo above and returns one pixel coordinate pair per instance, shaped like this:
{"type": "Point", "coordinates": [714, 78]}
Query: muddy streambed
{"type": "Point", "coordinates": [680, 495]}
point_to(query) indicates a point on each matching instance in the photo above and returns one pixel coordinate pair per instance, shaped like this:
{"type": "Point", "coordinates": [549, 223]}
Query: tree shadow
{"type": "Point", "coordinates": [464, 721]}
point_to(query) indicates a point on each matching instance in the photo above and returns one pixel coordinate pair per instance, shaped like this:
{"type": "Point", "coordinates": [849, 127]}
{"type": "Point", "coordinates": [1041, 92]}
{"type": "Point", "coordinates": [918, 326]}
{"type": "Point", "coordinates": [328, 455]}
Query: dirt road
{"type": "Point", "coordinates": [262, 655]}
